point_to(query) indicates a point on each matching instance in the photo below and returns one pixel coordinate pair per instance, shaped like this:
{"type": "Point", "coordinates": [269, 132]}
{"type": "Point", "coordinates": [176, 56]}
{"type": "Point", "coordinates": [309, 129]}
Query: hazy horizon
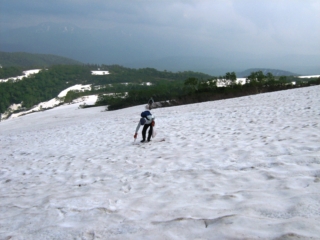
{"type": "Point", "coordinates": [226, 35]}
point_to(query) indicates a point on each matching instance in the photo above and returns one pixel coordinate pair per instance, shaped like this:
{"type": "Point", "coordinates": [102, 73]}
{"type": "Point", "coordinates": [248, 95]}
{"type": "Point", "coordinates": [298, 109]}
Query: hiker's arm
{"type": "Point", "coordinates": [138, 126]}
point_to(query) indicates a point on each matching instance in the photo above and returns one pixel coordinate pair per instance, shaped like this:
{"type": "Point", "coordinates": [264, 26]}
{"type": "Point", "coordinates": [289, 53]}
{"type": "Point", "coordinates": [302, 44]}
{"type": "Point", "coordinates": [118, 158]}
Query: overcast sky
{"type": "Point", "coordinates": [196, 27]}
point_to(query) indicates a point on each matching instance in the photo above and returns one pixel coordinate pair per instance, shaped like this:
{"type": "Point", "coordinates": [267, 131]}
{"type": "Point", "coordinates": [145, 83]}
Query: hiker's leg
{"type": "Point", "coordinates": [150, 132]}
{"type": "Point", "coordinates": [144, 131]}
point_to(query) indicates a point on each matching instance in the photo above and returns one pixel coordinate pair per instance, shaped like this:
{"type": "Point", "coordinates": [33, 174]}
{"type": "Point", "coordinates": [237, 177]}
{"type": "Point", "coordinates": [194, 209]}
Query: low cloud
{"type": "Point", "coordinates": [190, 27]}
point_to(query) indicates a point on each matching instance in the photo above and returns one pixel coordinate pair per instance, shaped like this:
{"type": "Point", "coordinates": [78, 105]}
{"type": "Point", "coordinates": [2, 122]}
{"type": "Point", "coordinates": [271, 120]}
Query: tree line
{"type": "Point", "coordinates": [193, 89]}
{"type": "Point", "coordinates": [125, 87]}
{"type": "Point", "coordinates": [49, 82]}
{"type": "Point", "coordinates": [7, 72]}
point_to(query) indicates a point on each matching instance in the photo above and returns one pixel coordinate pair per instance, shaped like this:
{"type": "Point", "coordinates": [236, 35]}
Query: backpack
{"type": "Point", "coordinates": [145, 114]}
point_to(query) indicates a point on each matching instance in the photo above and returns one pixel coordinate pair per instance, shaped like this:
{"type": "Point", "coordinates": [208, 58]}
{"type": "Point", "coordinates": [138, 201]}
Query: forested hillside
{"type": "Point", "coordinates": [194, 90]}
{"type": "Point", "coordinates": [29, 60]}
{"type": "Point", "coordinates": [138, 85]}
{"type": "Point", "coordinates": [49, 82]}
{"type": "Point", "coordinates": [7, 72]}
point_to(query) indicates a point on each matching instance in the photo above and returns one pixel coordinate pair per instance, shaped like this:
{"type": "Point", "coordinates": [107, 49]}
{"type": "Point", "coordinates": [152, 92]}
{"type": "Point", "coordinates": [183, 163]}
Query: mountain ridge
{"type": "Point", "coordinates": [24, 59]}
{"type": "Point", "coordinates": [127, 47]}
{"type": "Point", "coordinates": [274, 72]}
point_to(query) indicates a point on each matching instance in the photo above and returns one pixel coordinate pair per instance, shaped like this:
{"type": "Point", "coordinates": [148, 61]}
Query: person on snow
{"type": "Point", "coordinates": [147, 121]}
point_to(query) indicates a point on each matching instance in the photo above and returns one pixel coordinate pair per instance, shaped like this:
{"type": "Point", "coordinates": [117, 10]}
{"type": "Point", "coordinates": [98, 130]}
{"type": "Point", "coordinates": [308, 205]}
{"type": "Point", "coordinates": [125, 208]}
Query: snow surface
{"type": "Point", "coordinates": [243, 168]}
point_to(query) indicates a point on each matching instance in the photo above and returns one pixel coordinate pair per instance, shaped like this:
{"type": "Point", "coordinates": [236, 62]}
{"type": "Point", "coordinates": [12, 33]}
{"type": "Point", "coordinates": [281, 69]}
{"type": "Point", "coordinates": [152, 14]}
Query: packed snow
{"type": "Point", "coordinates": [242, 168]}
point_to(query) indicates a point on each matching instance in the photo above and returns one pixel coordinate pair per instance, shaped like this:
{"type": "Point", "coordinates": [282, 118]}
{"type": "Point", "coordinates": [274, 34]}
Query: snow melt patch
{"type": "Point", "coordinates": [15, 107]}
{"type": "Point", "coordinates": [77, 87]}
{"type": "Point", "coordinates": [242, 168]}
{"type": "Point", "coordinates": [241, 81]}
{"type": "Point", "coordinates": [309, 76]}
{"type": "Point", "coordinates": [30, 72]}
{"type": "Point", "coordinates": [54, 102]}
{"type": "Point", "coordinates": [86, 100]}
{"type": "Point", "coordinates": [100, 72]}
{"type": "Point", "coordinates": [41, 106]}
{"type": "Point", "coordinates": [146, 83]}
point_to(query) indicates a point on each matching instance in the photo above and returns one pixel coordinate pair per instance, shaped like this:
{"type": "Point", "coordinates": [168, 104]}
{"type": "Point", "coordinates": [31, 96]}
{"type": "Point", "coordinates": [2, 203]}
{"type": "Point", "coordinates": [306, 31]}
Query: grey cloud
{"type": "Point", "coordinates": [227, 28]}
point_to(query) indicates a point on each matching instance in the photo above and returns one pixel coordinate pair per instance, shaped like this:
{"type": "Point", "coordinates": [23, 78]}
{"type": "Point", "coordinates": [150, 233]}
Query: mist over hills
{"type": "Point", "coordinates": [139, 50]}
{"type": "Point", "coordinates": [265, 71]}
{"type": "Point", "coordinates": [84, 45]}
{"type": "Point", "coordinates": [22, 59]}
{"type": "Point", "coordinates": [25, 60]}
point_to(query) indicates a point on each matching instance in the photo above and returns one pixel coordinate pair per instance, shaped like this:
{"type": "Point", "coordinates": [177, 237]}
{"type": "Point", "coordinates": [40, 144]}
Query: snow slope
{"type": "Point", "coordinates": [244, 168]}
{"type": "Point", "coordinates": [54, 102]}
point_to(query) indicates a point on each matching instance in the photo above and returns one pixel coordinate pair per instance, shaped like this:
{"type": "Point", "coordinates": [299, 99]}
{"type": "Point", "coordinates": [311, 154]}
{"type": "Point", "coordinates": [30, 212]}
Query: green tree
{"type": "Point", "coordinates": [282, 80]}
{"type": "Point", "coordinates": [231, 78]}
{"type": "Point", "coordinates": [256, 80]}
{"type": "Point", "coordinates": [191, 84]}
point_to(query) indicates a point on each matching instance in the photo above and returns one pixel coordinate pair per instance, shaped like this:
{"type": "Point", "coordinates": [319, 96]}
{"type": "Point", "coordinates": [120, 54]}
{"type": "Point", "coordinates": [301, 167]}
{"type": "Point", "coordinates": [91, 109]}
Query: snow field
{"type": "Point", "coordinates": [243, 168]}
